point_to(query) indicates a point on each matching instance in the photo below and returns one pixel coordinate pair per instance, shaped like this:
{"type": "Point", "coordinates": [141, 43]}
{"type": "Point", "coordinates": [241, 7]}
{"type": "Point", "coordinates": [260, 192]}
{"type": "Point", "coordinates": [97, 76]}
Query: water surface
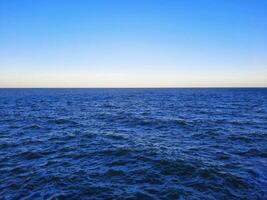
{"type": "Point", "coordinates": [133, 144]}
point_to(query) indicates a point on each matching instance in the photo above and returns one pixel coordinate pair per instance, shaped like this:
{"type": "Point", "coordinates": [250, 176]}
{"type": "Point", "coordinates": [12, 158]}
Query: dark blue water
{"type": "Point", "coordinates": [133, 144]}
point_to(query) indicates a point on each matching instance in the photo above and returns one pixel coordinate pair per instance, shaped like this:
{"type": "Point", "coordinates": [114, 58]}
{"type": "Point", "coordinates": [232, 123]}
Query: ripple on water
{"type": "Point", "coordinates": [133, 144]}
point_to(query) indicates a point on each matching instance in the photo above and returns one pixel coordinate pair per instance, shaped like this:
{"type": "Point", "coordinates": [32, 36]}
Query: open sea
{"type": "Point", "coordinates": [133, 144]}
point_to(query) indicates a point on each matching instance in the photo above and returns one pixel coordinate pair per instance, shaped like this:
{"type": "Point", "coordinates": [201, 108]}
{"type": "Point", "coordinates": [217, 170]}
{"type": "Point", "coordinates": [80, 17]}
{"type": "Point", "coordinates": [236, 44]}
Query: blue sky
{"type": "Point", "coordinates": [133, 43]}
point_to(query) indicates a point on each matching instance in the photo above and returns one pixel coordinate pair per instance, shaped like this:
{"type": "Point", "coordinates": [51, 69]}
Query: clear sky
{"type": "Point", "coordinates": [133, 43]}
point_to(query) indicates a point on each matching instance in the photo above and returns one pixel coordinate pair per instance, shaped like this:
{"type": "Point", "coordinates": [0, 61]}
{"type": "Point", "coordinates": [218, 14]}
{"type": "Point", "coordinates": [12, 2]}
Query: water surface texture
{"type": "Point", "coordinates": [133, 144]}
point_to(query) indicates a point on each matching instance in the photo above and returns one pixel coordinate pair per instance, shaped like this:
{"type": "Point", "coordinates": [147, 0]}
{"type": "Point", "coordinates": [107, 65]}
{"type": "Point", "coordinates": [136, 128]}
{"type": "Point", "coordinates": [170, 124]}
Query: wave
{"type": "Point", "coordinates": [254, 152]}
{"type": "Point", "coordinates": [133, 144]}
{"type": "Point", "coordinates": [32, 127]}
{"type": "Point", "coordinates": [63, 122]}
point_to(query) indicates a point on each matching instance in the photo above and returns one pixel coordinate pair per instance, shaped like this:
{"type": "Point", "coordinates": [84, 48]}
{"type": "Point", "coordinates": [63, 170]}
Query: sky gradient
{"type": "Point", "coordinates": [133, 43]}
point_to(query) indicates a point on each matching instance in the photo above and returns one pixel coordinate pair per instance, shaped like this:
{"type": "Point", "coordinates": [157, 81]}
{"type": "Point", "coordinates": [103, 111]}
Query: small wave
{"type": "Point", "coordinates": [116, 136]}
{"type": "Point", "coordinates": [32, 127]}
{"type": "Point", "coordinates": [234, 181]}
{"type": "Point", "coordinates": [19, 170]}
{"type": "Point", "coordinates": [156, 122]}
{"type": "Point", "coordinates": [254, 152]}
{"type": "Point", "coordinates": [95, 190]}
{"type": "Point", "coordinates": [33, 142]}
{"type": "Point", "coordinates": [89, 134]}
{"type": "Point", "coordinates": [63, 121]}
{"type": "Point", "coordinates": [118, 163]}
{"type": "Point", "coordinates": [29, 155]}
{"type": "Point", "coordinates": [8, 144]}
{"type": "Point", "coordinates": [222, 156]}
{"type": "Point", "coordinates": [227, 179]}
{"type": "Point", "coordinates": [176, 167]}
{"type": "Point", "coordinates": [241, 138]}
{"type": "Point", "coordinates": [112, 172]}
{"type": "Point", "coordinates": [116, 152]}
{"type": "Point", "coordinates": [62, 195]}
{"type": "Point", "coordinates": [145, 176]}
{"type": "Point", "coordinates": [109, 105]}
{"type": "Point", "coordinates": [141, 195]}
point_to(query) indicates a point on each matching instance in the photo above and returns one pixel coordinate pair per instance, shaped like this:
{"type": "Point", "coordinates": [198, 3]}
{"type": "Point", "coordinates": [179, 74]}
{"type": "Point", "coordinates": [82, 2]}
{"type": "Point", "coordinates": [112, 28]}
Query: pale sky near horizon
{"type": "Point", "coordinates": [133, 43]}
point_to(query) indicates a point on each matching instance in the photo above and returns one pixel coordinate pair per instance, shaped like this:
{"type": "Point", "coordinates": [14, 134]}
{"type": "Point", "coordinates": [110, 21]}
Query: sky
{"type": "Point", "coordinates": [133, 43]}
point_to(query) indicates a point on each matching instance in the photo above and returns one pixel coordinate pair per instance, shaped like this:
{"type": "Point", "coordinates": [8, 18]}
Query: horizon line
{"type": "Point", "coordinates": [164, 87]}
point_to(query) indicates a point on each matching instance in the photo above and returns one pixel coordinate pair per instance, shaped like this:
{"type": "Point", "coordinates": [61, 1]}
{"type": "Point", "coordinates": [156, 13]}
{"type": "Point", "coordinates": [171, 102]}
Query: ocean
{"type": "Point", "coordinates": [133, 143]}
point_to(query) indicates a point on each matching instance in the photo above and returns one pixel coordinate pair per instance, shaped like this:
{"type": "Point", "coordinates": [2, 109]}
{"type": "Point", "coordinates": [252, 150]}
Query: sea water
{"type": "Point", "coordinates": [133, 143]}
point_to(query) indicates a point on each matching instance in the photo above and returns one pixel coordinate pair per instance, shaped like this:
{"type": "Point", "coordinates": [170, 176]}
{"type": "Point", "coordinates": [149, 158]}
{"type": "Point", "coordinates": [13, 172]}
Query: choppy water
{"type": "Point", "coordinates": [133, 144]}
